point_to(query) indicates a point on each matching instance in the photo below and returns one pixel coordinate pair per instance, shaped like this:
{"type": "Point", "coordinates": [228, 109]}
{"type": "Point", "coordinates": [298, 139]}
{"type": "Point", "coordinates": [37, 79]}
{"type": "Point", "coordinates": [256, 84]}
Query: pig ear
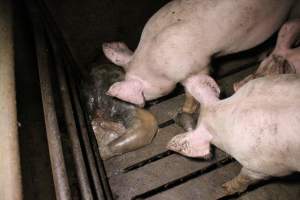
{"type": "Point", "coordinates": [128, 90]}
{"type": "Point", "coordinates": [192, 144]}
{"type": "Point", "coordinates": [117, 52]}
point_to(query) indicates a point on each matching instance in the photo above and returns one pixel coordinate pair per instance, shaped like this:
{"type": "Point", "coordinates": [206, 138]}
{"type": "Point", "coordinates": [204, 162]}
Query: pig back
{"type": "Point", "coordinates": [274, 89]}
{"type": "Point", "coordinates": [264, 124]}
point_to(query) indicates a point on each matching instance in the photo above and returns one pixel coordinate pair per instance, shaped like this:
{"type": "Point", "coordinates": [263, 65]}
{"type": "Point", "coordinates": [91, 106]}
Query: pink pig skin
{"type": "Point", "coordinates": [284, 59]}
{"type": "Point", "coordinates": [258, 126]}
{"type": "Point", "coordinates": [183, 36]}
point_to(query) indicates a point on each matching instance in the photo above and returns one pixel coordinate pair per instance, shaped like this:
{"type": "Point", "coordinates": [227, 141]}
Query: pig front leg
{"type": "Point", "coordinates": [187, 118]}
{"type": "Point", "coordinates": [241, 182]}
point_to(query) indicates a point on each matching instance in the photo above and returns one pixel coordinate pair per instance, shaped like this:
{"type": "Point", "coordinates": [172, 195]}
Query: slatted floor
{"type": "Point", "coordinates": [154, 173]}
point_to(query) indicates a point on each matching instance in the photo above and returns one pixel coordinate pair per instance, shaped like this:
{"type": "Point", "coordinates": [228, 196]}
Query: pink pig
{"type": "Point", "coordinates": [258, 126]}
{"type": "Point", "coordinates": [285, 57]}
{"type": "Point", "coordinates": [180, 40]}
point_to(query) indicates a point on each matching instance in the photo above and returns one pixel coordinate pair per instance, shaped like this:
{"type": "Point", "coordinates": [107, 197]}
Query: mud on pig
{"type": "Point", "coordinates": [180, 40]}
{"type": "Point", "coordinates": [119, 127]}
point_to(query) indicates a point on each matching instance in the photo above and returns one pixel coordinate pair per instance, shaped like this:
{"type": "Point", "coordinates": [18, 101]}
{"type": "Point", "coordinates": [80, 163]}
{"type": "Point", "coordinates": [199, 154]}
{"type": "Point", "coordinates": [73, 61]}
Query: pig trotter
{"type": "Point", "coordinates": [241, 182]}
{"type": "Point", "coordinates": [191, 104]}
{"type": "Point", "coordinates": [187, 119]}
{"type": "Point", "coordinates": [237, 185]}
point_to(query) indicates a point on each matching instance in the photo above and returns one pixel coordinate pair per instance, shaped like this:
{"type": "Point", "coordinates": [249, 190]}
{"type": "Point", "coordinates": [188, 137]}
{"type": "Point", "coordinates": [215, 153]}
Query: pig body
{"type": "Point", "coordinates": [182, 37]}
{"type": "Point", "coordinates": [259, 126]}
{"type": "Point", "coordinates": [119, 127]}
{"type": "Point", "coordinates": [284, 59]}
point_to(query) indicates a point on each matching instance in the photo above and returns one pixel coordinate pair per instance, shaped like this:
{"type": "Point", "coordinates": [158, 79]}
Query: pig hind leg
{"type": "Point", "coordinates": [241, 182]}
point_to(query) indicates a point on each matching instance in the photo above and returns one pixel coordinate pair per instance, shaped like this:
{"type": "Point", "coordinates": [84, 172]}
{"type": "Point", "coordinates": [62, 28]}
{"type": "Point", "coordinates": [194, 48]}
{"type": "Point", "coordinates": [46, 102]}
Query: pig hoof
{"type": "Point", "coordinates": [186, 120]}
{"type": "Point", "coordinates": [233, 187]}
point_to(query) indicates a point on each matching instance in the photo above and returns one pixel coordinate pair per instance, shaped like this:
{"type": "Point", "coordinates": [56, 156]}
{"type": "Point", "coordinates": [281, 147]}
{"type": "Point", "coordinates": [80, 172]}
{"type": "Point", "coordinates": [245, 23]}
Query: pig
{"type": "Point", "coordinates": [119, 127]}
{"type": "Point", "coordinates": [258, 126]}
{"type": "Point", "coordinates": [285, 58]}
{"type": "Point", "coordinates": [180, 40]}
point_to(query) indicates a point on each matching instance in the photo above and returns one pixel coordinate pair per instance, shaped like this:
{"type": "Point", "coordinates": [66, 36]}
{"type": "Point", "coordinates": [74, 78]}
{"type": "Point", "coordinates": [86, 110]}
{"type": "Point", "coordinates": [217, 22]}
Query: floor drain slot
{"type": "Point", "coordinates": [147, 161]}
{"type": "Point", "coordinates": [184, 179]}
{"type": "Point", "coordinates": [166, 123]}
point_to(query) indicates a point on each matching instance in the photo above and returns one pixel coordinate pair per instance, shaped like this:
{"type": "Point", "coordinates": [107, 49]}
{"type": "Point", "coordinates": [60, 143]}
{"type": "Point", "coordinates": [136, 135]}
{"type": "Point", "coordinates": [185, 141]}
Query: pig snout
{"type": "Point", "coordinates": [193, 144]}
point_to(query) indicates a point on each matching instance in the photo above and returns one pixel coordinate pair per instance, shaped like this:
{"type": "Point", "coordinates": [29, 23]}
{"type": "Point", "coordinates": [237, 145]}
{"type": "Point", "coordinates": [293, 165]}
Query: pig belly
{"type": "Point", "coordinates": [263, 130]}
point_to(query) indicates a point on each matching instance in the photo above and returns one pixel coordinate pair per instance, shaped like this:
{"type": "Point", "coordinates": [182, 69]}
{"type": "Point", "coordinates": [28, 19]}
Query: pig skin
{"type": "Point", "coordinates": [258, 126]}
{"type": "Point", "coordinates": [183, 36]}
{"type": "Point", "coordinates": [284, 59]}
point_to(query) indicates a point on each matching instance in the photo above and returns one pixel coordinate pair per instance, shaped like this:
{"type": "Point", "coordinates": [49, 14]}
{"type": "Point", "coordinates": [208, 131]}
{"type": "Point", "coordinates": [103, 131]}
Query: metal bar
{"type": "Point", "coordinates": [95, 162]}
{"type": "Point", "coordinates": [85, 138]}
{"type": "Point", "coordinates": [83, 126]}
{"type": "Point", "coordinates": [89, 151]}
{"type": "Point", "coordinates": [62, 188]}
{"type": "Point", "coordinates": [10, 170]}
{"type": "Point", "coordinates": [70, 122]}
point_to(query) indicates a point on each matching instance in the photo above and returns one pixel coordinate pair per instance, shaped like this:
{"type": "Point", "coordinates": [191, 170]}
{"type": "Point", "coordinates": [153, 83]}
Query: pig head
{"type": "Point", "coordinates": [196, 143]}
{"type": "Point", "coordinates": [137, 87]}
{"type": "Point", "coordinates": [178, 42]}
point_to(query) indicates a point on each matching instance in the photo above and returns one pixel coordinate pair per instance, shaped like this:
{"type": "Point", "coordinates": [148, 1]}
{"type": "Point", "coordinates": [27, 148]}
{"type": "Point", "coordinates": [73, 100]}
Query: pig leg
{"type": "Point", "coordinates": [281, 59]}
{"type": "Point", "coordinates": [241, 182]}
{"type": "Point", "coordinates": [288, 36]}
{"type": "Point", "coordinates": [187, 119]}
{"type": "Point", "coordinates": [190, 105]}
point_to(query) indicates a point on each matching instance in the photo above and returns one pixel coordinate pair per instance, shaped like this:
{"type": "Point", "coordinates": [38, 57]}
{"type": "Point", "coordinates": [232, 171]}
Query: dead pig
{"type": "Point", "coordinates": [284, 59]}
{"type": "Point", "coordinates": [258, 126]}
{"type": "Point", "coordinates": [119, 127]}
{"type": "Point", "coordinates": [180, 40]}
